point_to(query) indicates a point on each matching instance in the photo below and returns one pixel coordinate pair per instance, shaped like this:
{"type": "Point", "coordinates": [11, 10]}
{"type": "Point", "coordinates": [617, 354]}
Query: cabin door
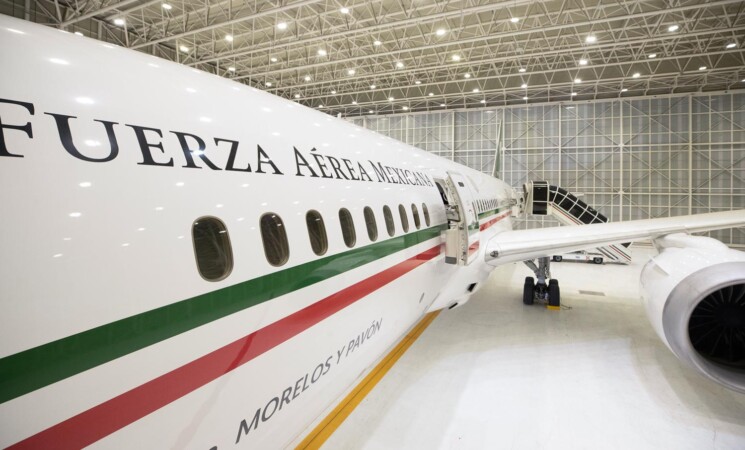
{"type": "Point", "coordinates": [462, 237]}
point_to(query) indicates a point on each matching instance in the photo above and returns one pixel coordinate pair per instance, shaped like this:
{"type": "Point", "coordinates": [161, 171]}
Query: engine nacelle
{"type": "Point", "coordinates": [695, 297]}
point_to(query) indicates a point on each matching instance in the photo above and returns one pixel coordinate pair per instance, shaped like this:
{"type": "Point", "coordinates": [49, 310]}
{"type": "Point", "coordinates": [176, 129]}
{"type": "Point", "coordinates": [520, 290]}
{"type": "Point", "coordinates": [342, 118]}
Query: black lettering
{"type": "Point", "coordinates": [321, 165]}
{"type": "Point", "coordinates": [65, 135]}
{"type": "Point", "coordinates": [348, 163]}
{"type": "Point", "coordinates": [245, 428]}
{"type": "Point", "coordinates": [339, 353]}
{"type": "Point", "coordinates": [336, 165]}
{"type": "Point", "coordinates": [275, 401]}
{"type": "Point", "coordinates": [25, 128]}
{"type": "Point", "coordinates": [327, 365]}
{"type": "Point", "coordinates": [379, 172]}
{"type": "Point", "coordinates": [188, 151]}
{"type": "Point", "coordinates": [296, 392]}
{"type": "Point", "coordinates": [315, 378]}
{"type": "Point", "coordinates": [285, 397]}
{"type": "Point", "coordinates": [305, 383]}
{"type": "Point", "coordinates": [300, 161]}
{"type": "Point", "coordinates": [363, 172]}
{"type": "Point", "coordinates": [233, 153]}
{"type": "Point", "coordinates": [407, 174]}
{"type": "Point", "coordinates": [388, 169]}
{"type": "Point", "coordinates": [145, 146]}
{"type": "Point", "coordinates": [262, 158]}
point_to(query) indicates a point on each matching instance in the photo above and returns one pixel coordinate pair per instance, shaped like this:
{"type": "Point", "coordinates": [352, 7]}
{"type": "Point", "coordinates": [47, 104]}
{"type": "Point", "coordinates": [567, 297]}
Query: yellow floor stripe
{"type": "Point", "coordinates": [327, 427]}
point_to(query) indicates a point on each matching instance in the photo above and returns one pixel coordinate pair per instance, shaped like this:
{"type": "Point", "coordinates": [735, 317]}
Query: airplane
{"type": "Point", "coordinates": [192, 262]}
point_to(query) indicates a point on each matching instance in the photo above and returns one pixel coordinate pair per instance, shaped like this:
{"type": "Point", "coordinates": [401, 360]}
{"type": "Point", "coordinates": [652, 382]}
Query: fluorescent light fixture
{"type": "Point", "coordinates": [282, 25]}
{"type": "Point", "coordinates": [371, 111]}
{"type": "Point", "coordinates": [320, 106]}
{"type": "Point", "coordinates": [405, 108]}
{"type": "Point", "coordinates": [229, 37]}
{"type": "Point", "coordinates": [417, 82]}
{"type": "Point", "coordinates": [273, 59]}
{"type": "Point", "coordinates": [377, 43]}
{"type": "Point", "coordinates": [624, 90]}
{"type": "Point", "coordinates": [322, 52]}
{"type": "Point", "coordinates": [636, 75]}
{"type": "Point", "coordinates": [440, 32]}
{"type": "Point", "coordinates": [591, 39]}
{"type": "Point", "coordinates": [432, 93]}
{"type": "Point", "coordinates": [731, 45]}
{"type": "Point", "coordinates": [524, 85]}
{"type": "Point", "coordinates": [333, 92]}
{"type": "Point", "coordinates": [456, 58]}
{"type": "Point", "coordinates": [652, 55]}
{"type": "Point", "coordinates": [521, 70]}
{"type": "Point", "coordinates": [400, 65]}
{"type": "Point", "coordinates": [297, 95]}
{"type": "Point", "coordinates": [673, 28]}
{"type": "Point", "coordinates": [354, 102]}
{"type": "Point", "coordinates": [442, 104]}
{"type": "Point", "coordinates": [525, 98]}
{"type": "Point", "coordinates": [578, 80]}
{"type": "Point", "coordinates": [119, 21]}
{"type": "Point", "coordinates": [475, 90]}
{"type": "Point", "coordinates": [167, 6]}
{"type": "Point", "coordinates": [344, 10]}
{"type": "Point", "coordinates": [483, 101]}
{"type": "Point", "coordinates": [515, 20]}
{"type": "Point", "coordinates": [574, 94]}
{"type": "Point", "coordinates": [184, 48]}
{"type": "Point", "coordinates": [351, 72]}
{"type": "Point", "coordinates": [231, 69]}
{"type": "Point", "coordinates": [372, 86]}
{"type": "Point", "coordinates": [466, 75]}
{"type": "Point", "coordinates": [582, 62]}
{"type": "Point", "coordinates": [702, 68]}
{"type": "Point", "coordinates": [390, 99]}
{"type": "Point", "coordinates": [307, 78]}
{"type": "Point", "coordinates": [268, 84]}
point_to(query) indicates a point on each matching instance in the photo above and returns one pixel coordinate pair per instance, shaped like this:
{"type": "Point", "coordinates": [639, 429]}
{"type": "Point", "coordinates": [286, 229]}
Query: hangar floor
{"type": "Point", "coordinates": [497, 374]}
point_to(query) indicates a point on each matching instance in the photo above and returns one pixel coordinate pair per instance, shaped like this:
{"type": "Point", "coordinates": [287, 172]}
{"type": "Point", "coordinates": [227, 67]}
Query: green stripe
{"type": "Point", "coordinates": [492, 212]}
{"type": "Point", "coordinates": [41, 366]}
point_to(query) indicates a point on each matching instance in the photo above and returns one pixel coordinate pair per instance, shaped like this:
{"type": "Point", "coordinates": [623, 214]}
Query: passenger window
{"type": "Point", "coordinates": [274, 237]}
{"type": "Point", "coordinates": [425, 211]}
{"type": "Point", "coordinates": [415, 213]}
{"type": "Point", "coordinates": [347, 227]}
{"type": "Point", "coordinates": [389, 225]}
{"type": "Point", "coordinates": [212, 248]}
{"type": "Point", "coordinates": [404, 219]}
{"type": "Point", "coordinates": [317, 232]}
{"type": "Point", "coordinates": [372, 227]}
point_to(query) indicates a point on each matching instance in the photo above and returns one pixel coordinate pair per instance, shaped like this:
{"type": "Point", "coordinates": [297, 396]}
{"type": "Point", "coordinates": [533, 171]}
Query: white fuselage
{"type": "Point", "coordinates": [110, 336]}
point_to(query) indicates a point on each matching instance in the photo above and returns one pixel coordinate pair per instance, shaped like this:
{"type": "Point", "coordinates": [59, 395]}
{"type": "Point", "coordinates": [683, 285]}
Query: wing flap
{"type": "Point", "coordinates": [521, 245]}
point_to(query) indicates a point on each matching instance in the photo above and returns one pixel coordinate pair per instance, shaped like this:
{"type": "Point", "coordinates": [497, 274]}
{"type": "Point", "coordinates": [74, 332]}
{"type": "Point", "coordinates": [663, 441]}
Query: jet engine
{"type": "Point", "coordinates": [694, 292]}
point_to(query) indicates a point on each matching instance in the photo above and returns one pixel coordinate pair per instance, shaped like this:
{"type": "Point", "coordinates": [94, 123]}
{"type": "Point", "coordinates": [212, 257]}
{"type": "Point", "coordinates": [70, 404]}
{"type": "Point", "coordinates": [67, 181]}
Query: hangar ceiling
{"type": "Point", "coordinates": [382, 56]}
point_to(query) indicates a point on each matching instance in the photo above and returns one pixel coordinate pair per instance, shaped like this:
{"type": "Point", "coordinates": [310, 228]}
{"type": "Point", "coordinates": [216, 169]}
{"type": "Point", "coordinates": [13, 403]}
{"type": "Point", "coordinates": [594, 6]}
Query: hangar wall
{"type": "Point", "coordinates": [630, 158]}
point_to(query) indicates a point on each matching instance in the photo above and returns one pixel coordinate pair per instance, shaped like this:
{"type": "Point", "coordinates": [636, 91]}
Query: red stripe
{"type": "Point", "coordinates": [486, 225]}
{"type": "Point", "coordinates": [473, 248]}
{"type": "Point", "coordinates": [102, 420]}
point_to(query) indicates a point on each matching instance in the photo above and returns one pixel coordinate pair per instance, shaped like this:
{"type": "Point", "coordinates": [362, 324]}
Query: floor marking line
{"type": "Point", "coordinates": [333, 421]}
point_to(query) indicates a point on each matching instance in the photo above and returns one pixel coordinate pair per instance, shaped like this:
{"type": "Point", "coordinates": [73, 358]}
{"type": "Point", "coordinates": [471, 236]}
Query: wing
{"type": "Point", "coordinates": [521, 245]}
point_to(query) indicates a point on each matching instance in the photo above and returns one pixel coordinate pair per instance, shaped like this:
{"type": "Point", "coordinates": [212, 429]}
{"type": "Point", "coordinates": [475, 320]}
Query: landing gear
{"type": "Point", "coordinates": [597, 260]}
{"type": "Point", "coordinates": [533, 291]}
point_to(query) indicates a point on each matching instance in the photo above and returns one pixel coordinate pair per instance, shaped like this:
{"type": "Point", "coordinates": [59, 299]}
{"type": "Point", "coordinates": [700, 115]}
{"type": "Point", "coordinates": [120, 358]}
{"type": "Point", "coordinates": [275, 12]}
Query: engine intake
{"type": "Point", "coordinates": [717, 327]}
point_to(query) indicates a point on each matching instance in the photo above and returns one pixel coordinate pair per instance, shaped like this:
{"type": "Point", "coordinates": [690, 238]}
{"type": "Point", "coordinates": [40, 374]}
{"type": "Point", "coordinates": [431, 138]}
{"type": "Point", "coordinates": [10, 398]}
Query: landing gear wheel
{"type": "Point", "coordinates": [528, 291]}
{"type": "Point", "coordinates": [558, 258]}
{"type": "Point", "coordinates": [597, 260]}
{"type": "Point", "coordinates": [554, 296]}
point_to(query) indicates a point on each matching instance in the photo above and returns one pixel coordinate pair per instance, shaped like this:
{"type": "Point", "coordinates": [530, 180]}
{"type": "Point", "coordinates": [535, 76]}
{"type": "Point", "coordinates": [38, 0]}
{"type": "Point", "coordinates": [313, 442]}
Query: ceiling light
{"type": "Point", "coordinates": [467, 75]}
{"type": "Point", "coordinates": [417, 82]}
{"type": "Point", "coordinates": [624, 90]}
{"type": "Point", "coordinates": [377, 43]}
{"type": "Point", "coordinates": [578, 80]}
{"type": "Point", "coordinates": [268, 84]}
{"type": "Point", "coordinates": [354, 102]}
{"type": "Point", "coordinates": [636, 75]}
{"type": "Point", "coordinates": [483, 101]}
{"type": "Point", "coordinates": [229, 37]}
{"type": "Point", "coordinates": [442, 104]}
{"type": "Point", "coordinates": [731, 45]}
{"type": "Point", "coordinates": [351, 72]}
{"type": "Point", "coordinates": [307, 78]}
{"type": "Point", "coordinates": [400, 65]}
{"type": "Point", "coordinates": [652, 55]}
{"type": "Point", "coordinates": [440, 32]}
{"type": "Point", "coordinates": [372, 86]}
{"type": "Point", "coordinates": [333, 92]}
{"type": "Point", "coordinates": [344, 10]}
{"type": "Point", "coordinates": [166, 6]}
{"type": "Point", "coordinates": [322, 52]}
{"type": "Point", "coordinates": [524, 86]}
{"type": "Point", "coordinates": [521, 70]}
{"type": "Point", "coordinates": [573, 94]}
{"type": "Point", "coordinates": [432, 93]}
{"type": "Point", "coordinates": [673, 28]}
{"type": "Point", "coordinates": [475, 90]}
{"type": "Point", "coordinates": [231, 69]}
{"type": "Point", "coordinates": [515, 20]}
{"type": "Point", "coordinates": [525, 98]}
{"type": "Point", "coordinates": [702, 68]}
{"type": "Point", "coordinates": [184, 49]}
{"type": "Point", "coordinates": [273, 59]}
{"type": "Point", "coordinates": [371, 111]}
{"type": "Point", "coordinates": [456, 58]}
{"type": "Point", "coordinates": [591, 39]}
{"type": "Point", "coordinates": [297, 95]}
{"type": "Point", "coordinates": [119, 22]}
{"type": "Point", "coordinates": [390, 99]}
{"type": "Point", "coordinates": [405, 108]}
{"type": "Point", "coordinates": [582, 62]}
{"type": "Point", "coordinates": [282, 25]}
{"type": "Point", "coordinates": [320, 106]}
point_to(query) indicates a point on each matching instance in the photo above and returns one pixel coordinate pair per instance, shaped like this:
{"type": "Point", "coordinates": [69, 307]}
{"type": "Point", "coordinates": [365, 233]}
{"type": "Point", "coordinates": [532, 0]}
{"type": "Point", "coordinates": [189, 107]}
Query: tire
{"type": "Point", "coordinates": [597, 260]}
{"type": "Point", "coordinates": [554, 295]}
{"type": "Point", "coordinates": [528, 291]}
{"type": "Point", "coordinates": [558, 258]}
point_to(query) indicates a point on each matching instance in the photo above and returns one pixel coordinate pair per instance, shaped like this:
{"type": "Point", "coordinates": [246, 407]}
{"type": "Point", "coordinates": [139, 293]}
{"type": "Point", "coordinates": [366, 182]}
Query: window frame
{"type": "Point", "coordinates": [231, 261]}
{"type": "Point", "coordinates": [286, 257]}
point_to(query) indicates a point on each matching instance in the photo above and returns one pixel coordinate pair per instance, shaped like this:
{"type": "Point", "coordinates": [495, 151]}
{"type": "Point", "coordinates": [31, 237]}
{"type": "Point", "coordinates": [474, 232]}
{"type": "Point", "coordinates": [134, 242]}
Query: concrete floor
{"type": "Point", "coordinates": [495, 374]}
